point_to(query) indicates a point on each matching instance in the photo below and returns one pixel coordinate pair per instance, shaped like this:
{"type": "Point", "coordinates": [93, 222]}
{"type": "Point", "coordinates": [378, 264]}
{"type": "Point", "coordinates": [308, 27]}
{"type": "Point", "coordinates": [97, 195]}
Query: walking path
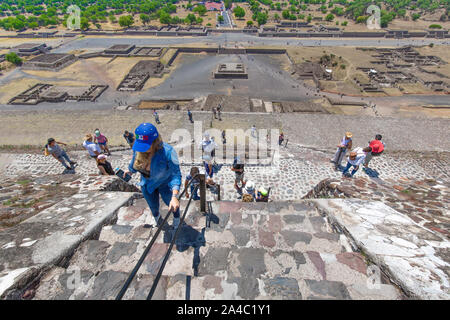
{"type": "Point", "coordinates": [299, 169]}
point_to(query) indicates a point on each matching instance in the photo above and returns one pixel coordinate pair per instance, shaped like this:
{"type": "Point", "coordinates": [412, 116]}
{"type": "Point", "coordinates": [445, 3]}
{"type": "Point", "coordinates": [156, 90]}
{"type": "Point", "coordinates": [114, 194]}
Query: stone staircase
{"type": "Point", "coordinates": [276, 250]}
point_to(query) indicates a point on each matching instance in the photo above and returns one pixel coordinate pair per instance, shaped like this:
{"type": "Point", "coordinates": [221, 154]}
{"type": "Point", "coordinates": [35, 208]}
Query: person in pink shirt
{"type": "Point", "coordinates": [102, 141]}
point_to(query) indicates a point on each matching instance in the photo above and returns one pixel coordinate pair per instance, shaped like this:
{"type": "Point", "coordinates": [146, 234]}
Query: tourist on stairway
{"type": "Point", "coordinates": [262, 195]}
{"type": "Point", "coordinates": [158, 164]}
{"type": "Point", "coordinates": [58, 153]}
{"type": "Point", "coordinates": [129, 138]}
{"type": "Point", "coordinates": [195, 182]}
{"type": "Point", "coordinates": [102, 141]}
{"type": "Point", "coordinates": [253, 131]}
{"type": "Point", "coordinates": [93, 148]}
{"type": "Point", "coordinates": [104, 166]}
{"type": "Point", "coordinates": [250, 189]}
{"type": "Point", "coordinates": [377, 149]}
{"type": "Point", "coordinates": [355, 159]}
{"type": "Point", "coordinates": [346, 144]}
{"type": "Point", "coordinates": [238, 169]}
{"type": "Point", "coordinates": [281, 138]}
{"type": "Point", "coordinates": [155, 114]}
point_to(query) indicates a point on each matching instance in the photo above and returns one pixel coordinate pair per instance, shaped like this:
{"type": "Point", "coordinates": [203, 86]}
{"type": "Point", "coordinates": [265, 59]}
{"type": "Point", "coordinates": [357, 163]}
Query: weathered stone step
{"type": "Point", "coordinates": [68, 284]}
{"type": "Point", "coordinates": [47, 239]}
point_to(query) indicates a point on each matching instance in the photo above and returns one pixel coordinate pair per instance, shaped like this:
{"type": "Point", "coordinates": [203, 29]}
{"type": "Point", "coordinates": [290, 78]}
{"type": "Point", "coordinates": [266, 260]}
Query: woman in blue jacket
{"type": "Point", "coordinates": [160, 171]}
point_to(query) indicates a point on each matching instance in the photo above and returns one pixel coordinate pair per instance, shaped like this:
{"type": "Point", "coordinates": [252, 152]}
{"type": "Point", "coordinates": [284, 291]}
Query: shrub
{"type": "Point", "coordinates": [13, 58]}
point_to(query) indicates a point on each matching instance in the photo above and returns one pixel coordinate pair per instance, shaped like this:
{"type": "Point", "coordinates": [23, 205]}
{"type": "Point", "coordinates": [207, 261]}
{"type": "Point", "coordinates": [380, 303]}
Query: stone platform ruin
{"type": "Point", "coordinates": [50, 61]}
{"type": "Point", "coordinates": [132, 51]}
{"type": "Point", "coordinates": [139, 74]}
{"type": "Point", "coordinates": [50, 93]}
{"type": "Point", "coordinates": [231, 71]}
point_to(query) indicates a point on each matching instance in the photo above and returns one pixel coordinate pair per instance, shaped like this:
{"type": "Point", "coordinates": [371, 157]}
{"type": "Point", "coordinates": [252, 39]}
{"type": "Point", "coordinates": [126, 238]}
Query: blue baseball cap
{"type": "Point", "coordinates": [145, 134]}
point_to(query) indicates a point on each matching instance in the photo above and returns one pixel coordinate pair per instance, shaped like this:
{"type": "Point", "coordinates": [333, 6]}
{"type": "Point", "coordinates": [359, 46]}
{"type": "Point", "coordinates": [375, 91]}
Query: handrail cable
{"type": "Point", "coordinates": [147, 249]}
{"type": "Point", "coordinates": [169, 251]}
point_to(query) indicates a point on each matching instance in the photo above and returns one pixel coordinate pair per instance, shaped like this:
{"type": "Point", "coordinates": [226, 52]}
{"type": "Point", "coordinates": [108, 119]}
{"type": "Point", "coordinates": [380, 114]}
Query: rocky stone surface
{"type": "Point", "coordinates": [426, 202]}
{"type": "Point", "coordinates": [240, 251]}
{"type": "Point", "coordinates": [45, 240]}
{"type": "Point", "coordinates": [26, 195]}
{"type": "Point", "coordinates": [413, 256]}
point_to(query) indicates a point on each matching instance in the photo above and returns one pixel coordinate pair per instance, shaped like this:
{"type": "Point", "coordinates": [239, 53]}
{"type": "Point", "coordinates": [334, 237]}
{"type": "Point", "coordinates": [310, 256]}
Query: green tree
{"type": "Point", "coordinates": [285, 14]}
{"type": "Point", "coordinates": [228, 4]}
{"type": "Point", "coordinates": [361, 19]}
{"type": "Point", "coordinates": [239, 12]}
{"type": "Point", "coordinates": [13, 58]}
{"type": "Point", "coordinates": [164, 17]}
{"type": "Point", "coordinates": [126, 21]}
{"type": "Point", "coordinates": [220, 18]}
{"type": "Point", "coordinates": [190, 19]}
{"type": "Point", "coordinates": [261, 18]}
{"type": "Point", "coordinates": [249, 23]}
{"type": "Point", "coordinates": [145, 18]}
{"type": "Point", "coordinates": [201, 10]}
{"type": "Point", "coordinates": [329, 17]}
{"type": "Point", "coordinates": [84, 23]}
{"type": "Point", "coordinates": [415, 16]}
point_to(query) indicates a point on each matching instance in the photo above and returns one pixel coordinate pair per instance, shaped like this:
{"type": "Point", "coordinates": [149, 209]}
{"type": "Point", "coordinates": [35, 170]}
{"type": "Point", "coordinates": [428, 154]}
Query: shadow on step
{"type": "Point", "coordinates": [188, 237]}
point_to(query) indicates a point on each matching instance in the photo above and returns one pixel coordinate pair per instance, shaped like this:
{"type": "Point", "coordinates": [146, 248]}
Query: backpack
{"type": "Point", "coordinates": [377, 146]}
{"type": "Point", "coordinates": [46, 153]}
{"type": "Point", "coordinates": [247, 198]}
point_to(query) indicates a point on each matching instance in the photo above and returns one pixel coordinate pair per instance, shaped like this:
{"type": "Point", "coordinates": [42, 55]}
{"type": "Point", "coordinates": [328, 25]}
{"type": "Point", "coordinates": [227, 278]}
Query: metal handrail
{"type": "Point", "coordinates": [155, 236]}
{"type": "Point", "coordinates": [169, 251]}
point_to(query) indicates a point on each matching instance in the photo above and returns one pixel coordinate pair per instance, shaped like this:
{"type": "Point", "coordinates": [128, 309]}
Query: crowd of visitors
{"type": "Point", "coordinates": [358, 156]}
{"type": "Point", "coordinates": [157, 163]}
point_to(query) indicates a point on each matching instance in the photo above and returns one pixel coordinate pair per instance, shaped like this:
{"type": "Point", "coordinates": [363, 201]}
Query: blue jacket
{"type": "Point", "coordinates": [164, 170]}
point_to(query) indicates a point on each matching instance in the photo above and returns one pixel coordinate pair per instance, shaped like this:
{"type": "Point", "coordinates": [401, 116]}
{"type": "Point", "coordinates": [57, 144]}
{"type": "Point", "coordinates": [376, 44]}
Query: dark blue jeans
{"type": "Point", "coordinates": [195, 197]}
{"type": "Point", "coordinates": [348, 167]}
{"type": "Point", "coordinates": [63, 156]}
{"type": "Point", "coordinates": [153, 199]}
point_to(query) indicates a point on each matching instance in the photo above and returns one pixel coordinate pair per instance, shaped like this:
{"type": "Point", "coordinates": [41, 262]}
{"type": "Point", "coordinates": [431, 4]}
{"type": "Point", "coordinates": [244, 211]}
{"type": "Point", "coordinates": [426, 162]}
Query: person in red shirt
{"type": "Point", "coordinates": [377, 149]}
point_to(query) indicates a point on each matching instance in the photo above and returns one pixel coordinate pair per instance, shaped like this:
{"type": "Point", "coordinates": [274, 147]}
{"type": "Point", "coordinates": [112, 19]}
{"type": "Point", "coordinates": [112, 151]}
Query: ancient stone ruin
{"type": "Point", "coordinates": [50, 93]}
{"type": "Point", "coordinates": [50, 61]}
{"type": "Point", "coordinates": [139, 74]}
{"type": "Point", "coordinates": [231, 71]}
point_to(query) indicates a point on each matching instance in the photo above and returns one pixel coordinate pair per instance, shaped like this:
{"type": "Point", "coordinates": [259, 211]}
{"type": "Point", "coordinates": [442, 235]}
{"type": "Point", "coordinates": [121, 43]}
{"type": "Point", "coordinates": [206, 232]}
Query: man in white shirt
{"type": "Point", "coordinates": [355, 159]}
{"type": "Point", "coordinates": [93, 148]}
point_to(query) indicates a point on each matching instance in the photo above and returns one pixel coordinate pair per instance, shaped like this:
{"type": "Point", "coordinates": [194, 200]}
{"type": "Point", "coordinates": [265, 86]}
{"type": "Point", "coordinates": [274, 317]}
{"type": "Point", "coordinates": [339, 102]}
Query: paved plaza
{"type": "Point", "coordinates": [298, 170]}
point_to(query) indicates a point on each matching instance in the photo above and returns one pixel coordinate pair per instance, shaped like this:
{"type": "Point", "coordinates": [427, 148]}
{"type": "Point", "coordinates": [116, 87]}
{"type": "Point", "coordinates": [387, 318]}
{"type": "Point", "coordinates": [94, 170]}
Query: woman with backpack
{"type": "Point", "coordinates": [158, 164]}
